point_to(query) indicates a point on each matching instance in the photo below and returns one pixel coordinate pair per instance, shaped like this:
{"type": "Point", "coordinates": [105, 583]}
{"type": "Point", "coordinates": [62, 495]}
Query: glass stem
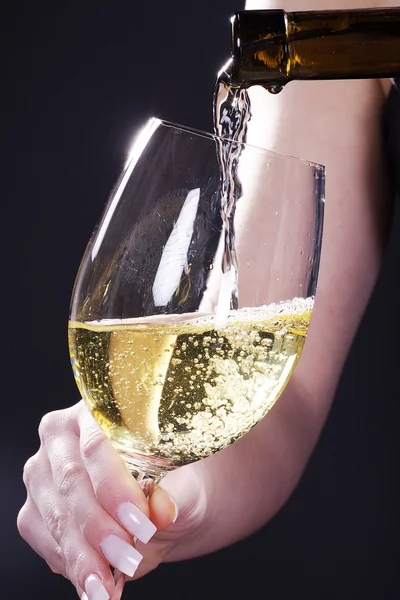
{"type": "Point", "coordinates": [147, 482]}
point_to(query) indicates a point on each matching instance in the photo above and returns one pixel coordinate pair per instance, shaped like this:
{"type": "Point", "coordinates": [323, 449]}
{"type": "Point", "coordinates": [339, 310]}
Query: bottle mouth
{"type": "Point", "coordinates": [259, 49]}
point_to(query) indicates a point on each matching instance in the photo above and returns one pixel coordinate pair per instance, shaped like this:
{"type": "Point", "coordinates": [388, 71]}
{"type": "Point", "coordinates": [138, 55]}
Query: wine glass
{"type": "Point", "coordinates": [188, 316]}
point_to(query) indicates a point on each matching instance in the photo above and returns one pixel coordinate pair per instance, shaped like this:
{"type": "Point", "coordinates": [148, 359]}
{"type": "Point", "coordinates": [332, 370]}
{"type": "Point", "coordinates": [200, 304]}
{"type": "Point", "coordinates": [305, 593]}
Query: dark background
{"type": "Point", "coordinates": [78, 79]}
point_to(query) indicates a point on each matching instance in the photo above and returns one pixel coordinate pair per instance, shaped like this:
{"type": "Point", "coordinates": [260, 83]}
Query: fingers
{"type": "Point", "coordinates": [120, 580]}
{"type": "Point", "coordinates": [115, 488]}
{"type": "Point", "coordinates": [70, 553]}
{"type": "Point", "coordinates": [163, 509]}
{"type": "Point", "coordinates": [84, 506]}
{"type": "Point", "coordinates": [35, 533]}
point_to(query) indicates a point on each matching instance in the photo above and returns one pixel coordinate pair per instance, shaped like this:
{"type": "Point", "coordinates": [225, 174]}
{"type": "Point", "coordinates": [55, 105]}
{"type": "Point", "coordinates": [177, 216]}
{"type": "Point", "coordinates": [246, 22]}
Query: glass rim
{"type": "Point", "coordinates": [213, 136]}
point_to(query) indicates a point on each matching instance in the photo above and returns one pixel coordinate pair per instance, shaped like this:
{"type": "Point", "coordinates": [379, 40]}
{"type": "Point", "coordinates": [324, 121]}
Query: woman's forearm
{"type": "Point", "coordinates": [337, 124]}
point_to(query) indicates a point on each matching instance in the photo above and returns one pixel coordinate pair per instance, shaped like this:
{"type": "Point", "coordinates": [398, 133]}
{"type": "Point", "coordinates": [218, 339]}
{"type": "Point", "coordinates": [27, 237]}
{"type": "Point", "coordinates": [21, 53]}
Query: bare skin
{"type": "Point", "coordinates": [76, 481]}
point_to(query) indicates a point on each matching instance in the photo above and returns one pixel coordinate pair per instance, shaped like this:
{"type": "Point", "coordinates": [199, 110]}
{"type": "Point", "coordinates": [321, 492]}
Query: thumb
{"type": "Point", "coordinates": [163, 508]}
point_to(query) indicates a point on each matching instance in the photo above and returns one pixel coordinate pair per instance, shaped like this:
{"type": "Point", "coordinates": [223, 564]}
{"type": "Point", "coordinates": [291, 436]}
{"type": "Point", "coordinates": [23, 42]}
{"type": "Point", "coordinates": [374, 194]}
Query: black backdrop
{"type": "Point", "coordinates": [79, 78]}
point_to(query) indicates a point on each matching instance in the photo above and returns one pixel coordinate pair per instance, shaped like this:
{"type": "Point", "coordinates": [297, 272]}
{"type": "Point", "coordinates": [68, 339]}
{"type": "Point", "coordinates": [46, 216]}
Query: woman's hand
{"type": "Point", "coordinates": [83, 507]}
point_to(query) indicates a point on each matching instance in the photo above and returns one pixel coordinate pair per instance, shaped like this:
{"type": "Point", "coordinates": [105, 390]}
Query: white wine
{"type": "Point", "coordinates": [182, 388]}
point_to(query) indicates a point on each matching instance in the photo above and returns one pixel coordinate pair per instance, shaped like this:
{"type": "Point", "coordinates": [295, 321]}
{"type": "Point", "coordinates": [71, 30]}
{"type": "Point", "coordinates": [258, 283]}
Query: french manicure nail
{"type": "Point", "coordinates": [120, 554]}
{"type": "Point", "coordinates": [95, 590]}
{"type": "Point", "coordinates": [84, 596]}
{"type": "Point", "coordinates": [136, 522]}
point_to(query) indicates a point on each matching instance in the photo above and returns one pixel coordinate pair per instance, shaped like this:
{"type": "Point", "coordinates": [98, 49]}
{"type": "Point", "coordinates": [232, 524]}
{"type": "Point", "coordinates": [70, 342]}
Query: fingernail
{"type": "Point", "coordinates": [174, 505]}
{"type": "Point", "coordinates": [53, 569]}
{"type": "Point", "coordinates": [120, 554]}
{"type": "Point", "coordinates": [136, 522]}
{"type": "Point", "coordinates": [95, 590]}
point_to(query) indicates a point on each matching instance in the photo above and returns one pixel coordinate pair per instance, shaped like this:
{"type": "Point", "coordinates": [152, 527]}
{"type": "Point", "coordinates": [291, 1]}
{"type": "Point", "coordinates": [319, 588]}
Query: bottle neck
{"type": "Point", "coordinates": [272, 47]}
